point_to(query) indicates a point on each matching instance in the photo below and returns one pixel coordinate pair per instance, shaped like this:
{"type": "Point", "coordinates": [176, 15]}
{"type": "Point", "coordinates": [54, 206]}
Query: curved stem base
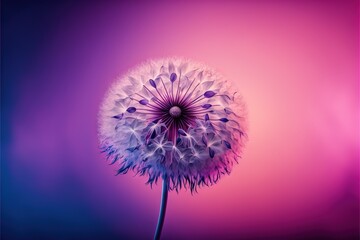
{"type": "Point", "coordinates": [164, 196]}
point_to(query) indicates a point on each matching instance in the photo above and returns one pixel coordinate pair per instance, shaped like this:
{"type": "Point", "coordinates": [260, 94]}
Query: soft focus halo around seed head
{"type": "Point", "coordinates": [176, 119]}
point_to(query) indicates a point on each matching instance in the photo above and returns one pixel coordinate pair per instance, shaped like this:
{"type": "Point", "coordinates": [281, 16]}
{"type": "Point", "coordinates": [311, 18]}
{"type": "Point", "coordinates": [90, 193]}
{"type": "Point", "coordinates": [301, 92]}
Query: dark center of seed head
{"type": "Point", "coordinates": [175, 111]}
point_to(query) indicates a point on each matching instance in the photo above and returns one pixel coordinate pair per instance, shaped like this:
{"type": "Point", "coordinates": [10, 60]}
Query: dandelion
{"type": "Point", "coordinates": [175, 120]}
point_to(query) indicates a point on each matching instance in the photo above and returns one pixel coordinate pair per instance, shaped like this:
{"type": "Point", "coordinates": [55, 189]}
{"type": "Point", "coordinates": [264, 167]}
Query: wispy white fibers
{"type": "Point", "coordinates": [175, 119]}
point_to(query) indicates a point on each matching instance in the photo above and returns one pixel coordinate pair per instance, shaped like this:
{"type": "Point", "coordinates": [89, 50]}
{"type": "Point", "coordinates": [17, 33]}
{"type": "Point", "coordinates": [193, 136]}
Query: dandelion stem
{"type": "Point", "coordinates": [164, 196]}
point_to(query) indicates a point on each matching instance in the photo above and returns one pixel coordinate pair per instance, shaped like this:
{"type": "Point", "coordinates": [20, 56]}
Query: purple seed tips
{"type": "Point", "coordinates": [119, 116]}
{"type": "Point", "coordinates": [143, 102]}
{"type": "Point", "coordinates": [207, 117]}
{"type": "Point", "coordinates": [204, 140]}
{"type": "Point", "coordinates": [173, 77]}
{"type": "Point", "coordinates": [152, 83]}
{"type": "Point", "coordinates": [224, 120]}
{"type": "Point", "coordinates": [206, 106]}
{"type": "Point", "coordinates": [227, 144]}
{"type": "Point", "coordinates": [209, 94]}
{"type": "Point", "coordinates": [211, 153]}
{"type": "Point", "coordinates": [131, 110]}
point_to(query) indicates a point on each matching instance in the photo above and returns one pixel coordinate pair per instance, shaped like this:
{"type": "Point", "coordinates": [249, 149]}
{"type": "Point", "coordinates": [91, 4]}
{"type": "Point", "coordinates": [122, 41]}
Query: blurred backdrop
{"type": "Point", "coordinates": [296, 63]}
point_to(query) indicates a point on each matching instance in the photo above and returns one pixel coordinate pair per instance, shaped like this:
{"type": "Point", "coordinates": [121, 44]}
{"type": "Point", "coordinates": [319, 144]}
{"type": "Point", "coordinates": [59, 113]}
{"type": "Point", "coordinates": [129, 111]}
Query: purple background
{"type": "Point", "coordinates": [296, 62]}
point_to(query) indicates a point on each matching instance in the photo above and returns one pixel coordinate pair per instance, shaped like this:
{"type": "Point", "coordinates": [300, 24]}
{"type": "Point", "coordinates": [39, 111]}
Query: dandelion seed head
{"type": "Point", "coordinates": [173, 118]}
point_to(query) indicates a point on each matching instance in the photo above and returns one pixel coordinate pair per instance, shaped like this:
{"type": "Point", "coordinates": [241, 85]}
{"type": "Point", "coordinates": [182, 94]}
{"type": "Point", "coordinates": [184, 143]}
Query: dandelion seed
{"type": "Point", "coordinates": [187, 126]}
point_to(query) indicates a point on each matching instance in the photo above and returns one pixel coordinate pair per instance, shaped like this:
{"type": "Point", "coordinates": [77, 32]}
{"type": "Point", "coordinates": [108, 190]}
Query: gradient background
{"type": "Point", "coordinates": [296, 63]}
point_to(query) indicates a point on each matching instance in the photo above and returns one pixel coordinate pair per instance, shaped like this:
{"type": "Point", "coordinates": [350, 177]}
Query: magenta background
{"type": "Point", "coordinates": [296, 63]}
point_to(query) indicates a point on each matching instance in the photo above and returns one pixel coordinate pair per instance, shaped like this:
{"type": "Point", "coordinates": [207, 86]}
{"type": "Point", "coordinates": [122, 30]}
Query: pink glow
{"type": "Point", "coordinates": [297, 67]}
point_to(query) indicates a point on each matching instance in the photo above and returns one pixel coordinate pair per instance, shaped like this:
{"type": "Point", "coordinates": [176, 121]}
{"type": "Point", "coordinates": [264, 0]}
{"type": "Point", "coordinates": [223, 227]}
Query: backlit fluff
{"type": "Point", "coordinates": [174, 119]}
